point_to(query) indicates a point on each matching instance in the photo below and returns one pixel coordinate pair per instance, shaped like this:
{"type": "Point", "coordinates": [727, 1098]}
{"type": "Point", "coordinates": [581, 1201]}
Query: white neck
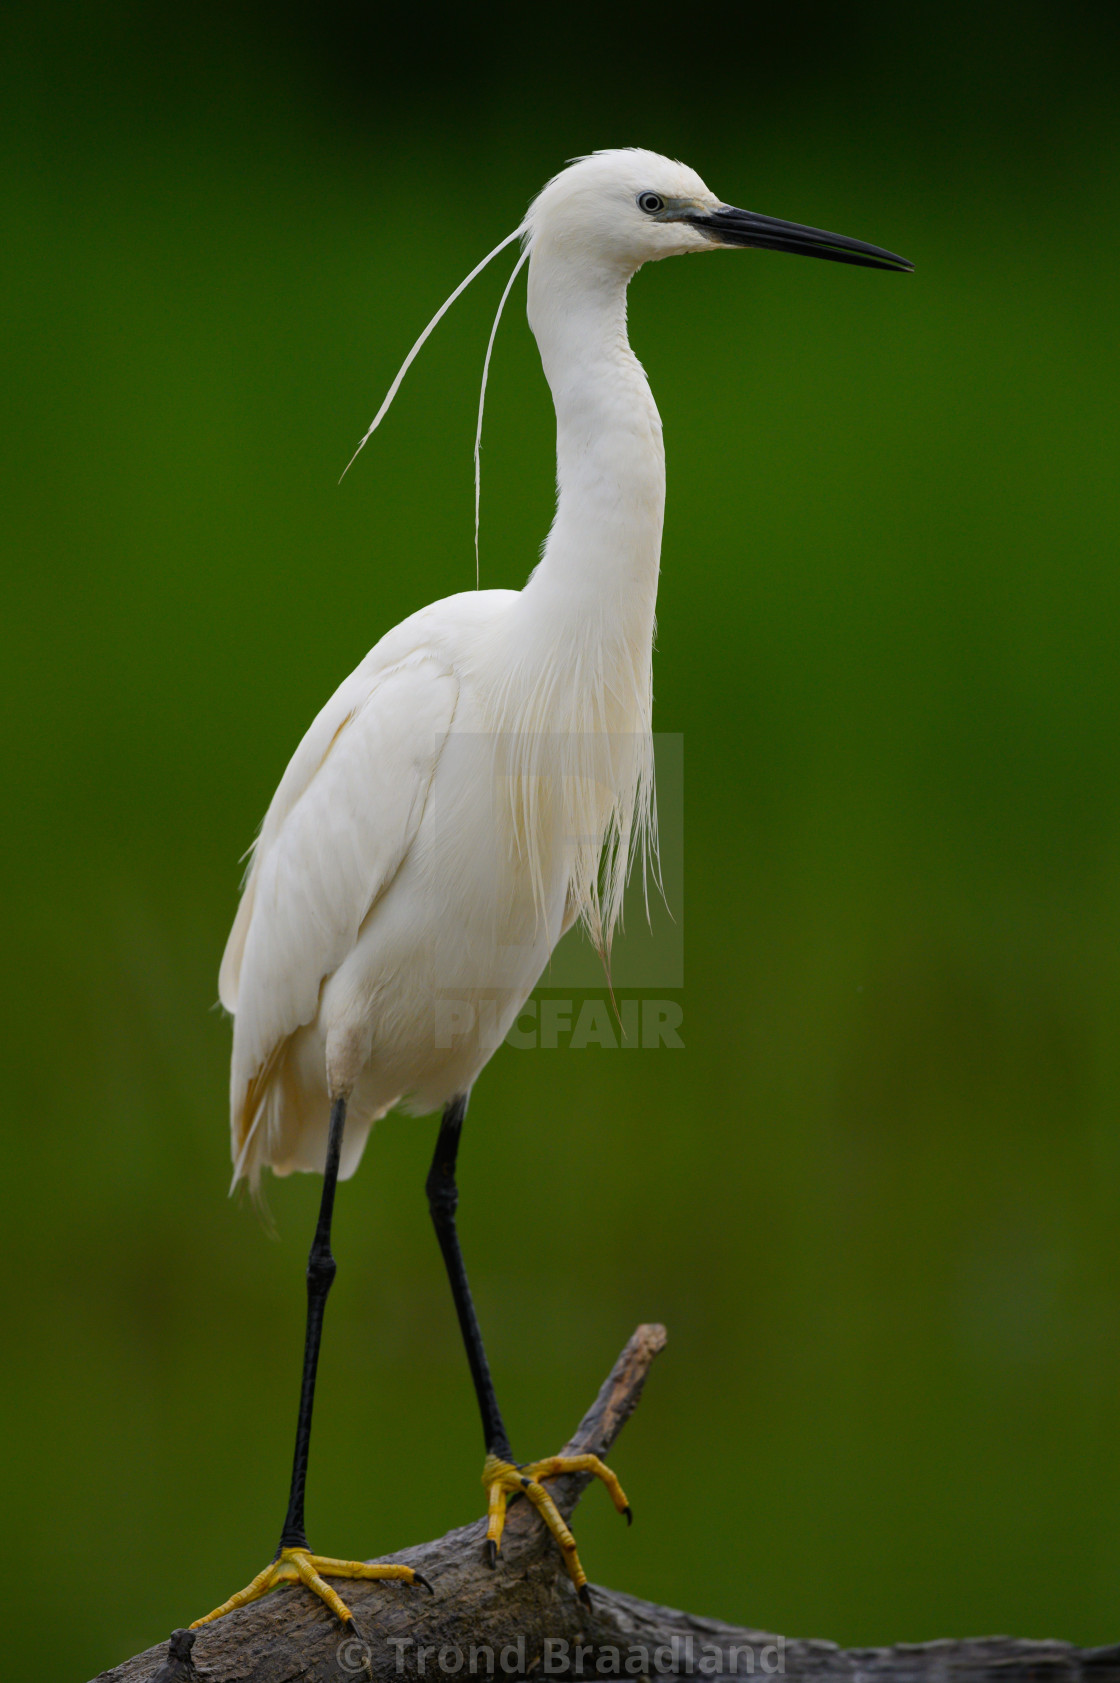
{"type": "Point", "coordinates": [604, 548]}
{"type": "Point", "coordinates": [582, 677]}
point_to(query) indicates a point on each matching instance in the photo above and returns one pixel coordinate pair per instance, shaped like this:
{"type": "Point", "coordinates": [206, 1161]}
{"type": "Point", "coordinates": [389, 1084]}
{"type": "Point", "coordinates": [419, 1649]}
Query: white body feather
{"type": "Point", "coordinates": [483, 777]}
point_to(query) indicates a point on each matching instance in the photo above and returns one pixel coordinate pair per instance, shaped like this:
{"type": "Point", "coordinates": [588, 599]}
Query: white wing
{"type": "Point", "coordinates": [339, 826]}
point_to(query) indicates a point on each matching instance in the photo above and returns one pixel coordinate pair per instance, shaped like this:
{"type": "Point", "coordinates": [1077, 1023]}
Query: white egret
{"type": "Point", "coordinates": [479, 783]}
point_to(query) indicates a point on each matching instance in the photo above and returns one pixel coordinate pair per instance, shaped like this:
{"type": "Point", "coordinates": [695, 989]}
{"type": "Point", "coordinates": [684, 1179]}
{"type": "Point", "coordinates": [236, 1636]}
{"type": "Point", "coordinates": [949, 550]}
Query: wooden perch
{"type": "Point", "coordinates": [524, 1620]}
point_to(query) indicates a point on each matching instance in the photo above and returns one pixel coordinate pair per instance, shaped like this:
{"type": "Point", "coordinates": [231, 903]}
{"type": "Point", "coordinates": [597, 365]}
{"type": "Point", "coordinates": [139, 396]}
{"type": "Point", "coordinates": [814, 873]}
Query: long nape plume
{"type": "Point", "coordinates": [517, 267]}
{"type": "Point", "coordinates": [411, 357]}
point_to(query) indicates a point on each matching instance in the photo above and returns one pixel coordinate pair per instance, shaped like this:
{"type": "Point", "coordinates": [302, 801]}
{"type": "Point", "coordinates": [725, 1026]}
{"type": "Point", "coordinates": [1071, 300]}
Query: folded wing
{"type": "Point", "coordinates": [340, 825]}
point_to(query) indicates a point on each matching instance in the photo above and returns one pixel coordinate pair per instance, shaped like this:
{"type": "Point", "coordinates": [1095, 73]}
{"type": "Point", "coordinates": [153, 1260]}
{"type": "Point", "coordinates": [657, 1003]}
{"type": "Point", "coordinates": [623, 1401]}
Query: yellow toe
{"type": "Point", "coordinates": [300, 1566]}
{"type": "Point", "coordinates": [503, 1479]}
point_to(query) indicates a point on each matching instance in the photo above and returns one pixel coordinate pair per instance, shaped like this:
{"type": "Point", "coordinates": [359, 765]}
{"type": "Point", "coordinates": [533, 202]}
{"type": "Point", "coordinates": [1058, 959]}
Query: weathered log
{"type": "Point", "coordinates": [524, 1620]}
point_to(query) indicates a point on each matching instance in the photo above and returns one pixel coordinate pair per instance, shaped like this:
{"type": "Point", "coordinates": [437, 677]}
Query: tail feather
{"type": "Point", "coordinates": [280, 1126]}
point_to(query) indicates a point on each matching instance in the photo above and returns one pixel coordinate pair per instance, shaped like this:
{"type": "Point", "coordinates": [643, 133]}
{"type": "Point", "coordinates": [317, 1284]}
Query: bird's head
{"type": "Point", "coordinates": [627, 207]}
{"type": "Point", "coordinates": [607, 214]}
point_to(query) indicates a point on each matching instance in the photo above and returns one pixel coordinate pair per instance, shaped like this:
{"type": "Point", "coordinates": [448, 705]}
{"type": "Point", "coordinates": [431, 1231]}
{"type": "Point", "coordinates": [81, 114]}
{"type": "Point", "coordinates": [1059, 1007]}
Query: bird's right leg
{"type": "Point", "coordinates": [294, 1561]}
{"type": "Point", "coordinates": [443, 1201]}
{"type": "Point", "coordinates": [502, 1477]}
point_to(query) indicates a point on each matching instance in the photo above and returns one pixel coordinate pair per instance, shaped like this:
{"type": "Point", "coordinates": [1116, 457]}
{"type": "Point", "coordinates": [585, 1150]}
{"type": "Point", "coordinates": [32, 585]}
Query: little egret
{"type": "Point", "coordinates": [482, 781]}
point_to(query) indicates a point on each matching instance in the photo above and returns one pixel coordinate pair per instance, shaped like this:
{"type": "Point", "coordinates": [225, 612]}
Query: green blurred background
{"type": "Point", "coordinates": [875, 1197]}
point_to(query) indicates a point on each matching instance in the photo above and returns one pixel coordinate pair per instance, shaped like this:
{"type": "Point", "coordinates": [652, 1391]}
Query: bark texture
{"type": "Point", "coordinates": [524, 1620]}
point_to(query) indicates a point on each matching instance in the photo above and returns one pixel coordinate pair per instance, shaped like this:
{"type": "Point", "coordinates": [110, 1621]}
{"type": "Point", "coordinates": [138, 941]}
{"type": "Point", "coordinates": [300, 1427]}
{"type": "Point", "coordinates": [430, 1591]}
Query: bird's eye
{"type": "Point", "coordinates": [651, 203]}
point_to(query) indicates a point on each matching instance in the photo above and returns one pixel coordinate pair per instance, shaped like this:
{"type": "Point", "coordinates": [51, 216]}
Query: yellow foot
{"type": "Point", "coordinates": [300, 1566]}
{"type": "Point", "coordinates": [501, 1479]}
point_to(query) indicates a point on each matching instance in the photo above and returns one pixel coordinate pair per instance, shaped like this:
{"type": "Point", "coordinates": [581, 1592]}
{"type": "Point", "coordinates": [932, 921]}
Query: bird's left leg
{"type": "Point", "coordinates": [502, 1477]}
{"type": "Point", "coordinates": [294, 1562]}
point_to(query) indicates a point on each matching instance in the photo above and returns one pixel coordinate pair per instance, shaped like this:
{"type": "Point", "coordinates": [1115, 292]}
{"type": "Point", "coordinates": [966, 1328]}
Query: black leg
{"type": "Point", "coordinates": [443, 1198]}
{"type": "Point", "coordinates": [320, 1273]}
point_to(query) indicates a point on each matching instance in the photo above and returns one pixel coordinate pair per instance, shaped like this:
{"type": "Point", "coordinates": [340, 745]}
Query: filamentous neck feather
{"type": "Point", "coordinates": [583, 688]}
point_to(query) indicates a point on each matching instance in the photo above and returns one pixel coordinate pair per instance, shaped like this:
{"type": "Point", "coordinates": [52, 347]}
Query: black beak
{"type": "Point", "coordinates": [727, 226]}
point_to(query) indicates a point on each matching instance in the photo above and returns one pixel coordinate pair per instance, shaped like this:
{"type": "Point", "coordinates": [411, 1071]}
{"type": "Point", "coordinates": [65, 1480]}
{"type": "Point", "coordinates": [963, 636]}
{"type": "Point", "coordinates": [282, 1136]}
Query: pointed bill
{"type": "Point", "coordinates": [728, 226]}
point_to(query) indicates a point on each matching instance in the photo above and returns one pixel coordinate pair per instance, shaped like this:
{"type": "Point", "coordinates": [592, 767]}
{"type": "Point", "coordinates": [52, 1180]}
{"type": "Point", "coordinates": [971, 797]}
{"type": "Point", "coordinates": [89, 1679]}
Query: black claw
{"type": "Point", "coordinates": [491, 1553]}
{"type": "Point", "coordinates": [629, 1512]}
{"type": "Point", "coordinates": [585, 1596]}
{"type": "Point", "coordinates": [419, 1578]}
